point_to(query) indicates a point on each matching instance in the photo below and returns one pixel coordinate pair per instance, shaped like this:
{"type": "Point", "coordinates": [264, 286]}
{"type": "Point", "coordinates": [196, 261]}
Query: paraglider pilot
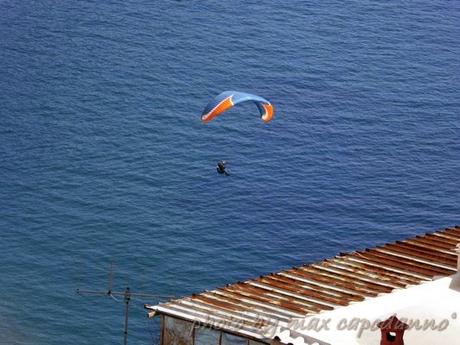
{"type": "Point", "coordinates": [221, 168]}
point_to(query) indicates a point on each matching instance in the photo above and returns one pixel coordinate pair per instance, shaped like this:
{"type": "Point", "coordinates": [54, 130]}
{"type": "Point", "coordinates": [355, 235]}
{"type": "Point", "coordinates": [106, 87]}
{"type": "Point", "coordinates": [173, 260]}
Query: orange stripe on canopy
{"type": "Point", "coordinates": [220, 108]}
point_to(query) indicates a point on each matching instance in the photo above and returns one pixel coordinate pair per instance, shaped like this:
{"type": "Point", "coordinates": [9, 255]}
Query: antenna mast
{"type": "Point", "coordinates": [127, 294]}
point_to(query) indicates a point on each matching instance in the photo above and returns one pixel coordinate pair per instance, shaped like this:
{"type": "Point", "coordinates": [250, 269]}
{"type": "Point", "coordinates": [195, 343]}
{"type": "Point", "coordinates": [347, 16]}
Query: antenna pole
{"type": "Point", "coordinates": [127, 294]}
{"type": "Point", "coordinates": [109, 291]}
{"type": "Point", "coordinates": [127, 297]}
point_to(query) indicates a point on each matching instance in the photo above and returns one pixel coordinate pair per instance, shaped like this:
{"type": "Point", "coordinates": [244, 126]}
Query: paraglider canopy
{"type": "Point", "coordinates": [228, 99]}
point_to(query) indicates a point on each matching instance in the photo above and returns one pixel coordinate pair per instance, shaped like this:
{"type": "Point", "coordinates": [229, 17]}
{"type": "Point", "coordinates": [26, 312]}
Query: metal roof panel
{"type": "Point", "coordinates": [245, 307]}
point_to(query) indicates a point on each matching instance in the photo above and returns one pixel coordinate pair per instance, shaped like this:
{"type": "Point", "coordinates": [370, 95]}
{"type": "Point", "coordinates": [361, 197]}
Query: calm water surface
{"type": "Point", "coordinates": [103, 157]}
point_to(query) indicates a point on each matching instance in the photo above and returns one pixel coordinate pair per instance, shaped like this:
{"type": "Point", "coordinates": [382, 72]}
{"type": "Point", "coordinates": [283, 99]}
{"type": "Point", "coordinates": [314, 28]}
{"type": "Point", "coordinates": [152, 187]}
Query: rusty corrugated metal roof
{"type": "Point", "coordinates": [245, 307]}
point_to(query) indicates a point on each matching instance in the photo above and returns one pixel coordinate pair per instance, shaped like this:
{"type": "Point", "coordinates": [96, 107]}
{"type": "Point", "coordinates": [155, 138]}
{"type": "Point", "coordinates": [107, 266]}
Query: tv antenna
{"type": "Point", "coordinates": [127, 294]}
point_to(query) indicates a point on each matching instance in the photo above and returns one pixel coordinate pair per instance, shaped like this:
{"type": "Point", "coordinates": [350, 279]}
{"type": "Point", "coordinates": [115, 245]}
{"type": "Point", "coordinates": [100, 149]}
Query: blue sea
{"type": "Point", "coordinates": [103, 157]}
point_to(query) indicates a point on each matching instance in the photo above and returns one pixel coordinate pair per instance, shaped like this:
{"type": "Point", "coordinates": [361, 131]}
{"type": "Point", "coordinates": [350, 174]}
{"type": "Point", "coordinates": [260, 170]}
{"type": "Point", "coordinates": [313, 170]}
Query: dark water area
{"type": "Point", "coordinates": [103, 156]}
